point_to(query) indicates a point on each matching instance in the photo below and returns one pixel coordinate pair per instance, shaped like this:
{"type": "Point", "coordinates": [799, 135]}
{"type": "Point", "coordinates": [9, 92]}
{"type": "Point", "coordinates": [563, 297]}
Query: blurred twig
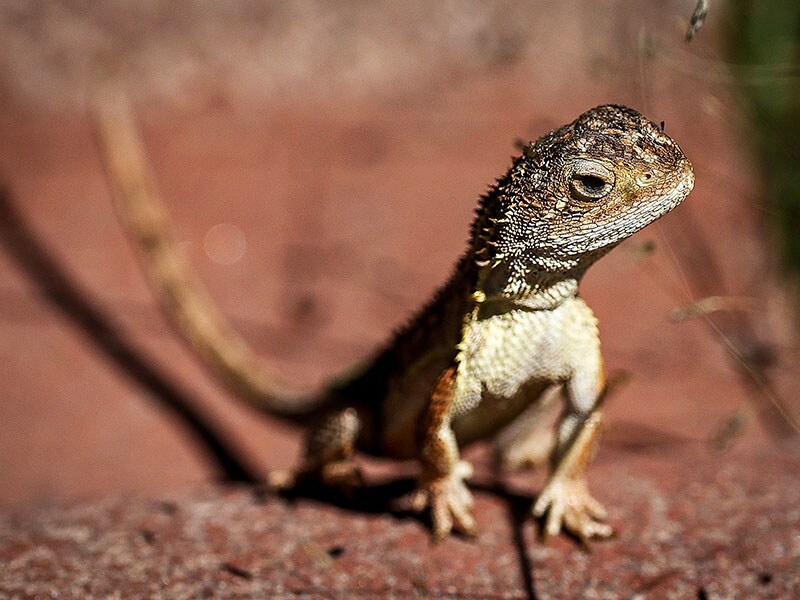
{"type": "Point", "coordinates": [698, 18]}
{"type": "Point", "coordinates": [712, 304]}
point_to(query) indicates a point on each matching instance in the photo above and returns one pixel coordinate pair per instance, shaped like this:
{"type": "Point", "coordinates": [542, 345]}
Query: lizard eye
{"type": "Point", "coordinates": [590, 181]}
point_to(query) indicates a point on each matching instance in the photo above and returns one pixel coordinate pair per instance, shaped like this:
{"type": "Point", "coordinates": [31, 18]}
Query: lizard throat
{"type": "Point", "coordinates": [537, 282]}
{"type": "Point", "coordinates": [531, 285]}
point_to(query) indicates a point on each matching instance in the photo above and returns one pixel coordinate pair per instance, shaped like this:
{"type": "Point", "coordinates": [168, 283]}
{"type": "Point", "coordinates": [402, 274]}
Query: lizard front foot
{"type": "Point", "coordinates": [449, 500]}
{"type": "Point", "coordinates": [569, 505]}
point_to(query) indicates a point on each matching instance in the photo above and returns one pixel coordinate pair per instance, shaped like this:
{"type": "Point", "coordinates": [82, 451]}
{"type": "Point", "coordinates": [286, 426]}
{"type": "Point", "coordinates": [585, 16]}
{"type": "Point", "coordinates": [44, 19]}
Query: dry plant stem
{"type": "Point", "coordinates": [182, 297]}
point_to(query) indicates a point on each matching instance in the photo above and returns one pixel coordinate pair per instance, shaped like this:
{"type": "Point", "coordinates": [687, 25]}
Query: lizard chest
{"type": "Point", "coordinates": [503, 352]}
{"type": "Point", "coordinates": [508, 360]}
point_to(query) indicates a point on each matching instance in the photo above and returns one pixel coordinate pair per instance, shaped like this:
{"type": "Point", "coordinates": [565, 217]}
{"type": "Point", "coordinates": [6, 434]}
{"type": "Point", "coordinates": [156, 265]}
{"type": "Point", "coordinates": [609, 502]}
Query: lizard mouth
{"type": "Point", "coordinates": [673, 198]}
{"type": "Point", "coordinates": [685, 185]}
{"type": "Point", "coordinates": [688, 179]}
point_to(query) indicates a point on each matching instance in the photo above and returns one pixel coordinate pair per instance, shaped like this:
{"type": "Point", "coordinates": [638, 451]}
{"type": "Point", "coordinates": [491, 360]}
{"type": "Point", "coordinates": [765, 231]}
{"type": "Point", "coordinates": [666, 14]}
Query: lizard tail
{"type": "Point", "coordinates": [181, 295]}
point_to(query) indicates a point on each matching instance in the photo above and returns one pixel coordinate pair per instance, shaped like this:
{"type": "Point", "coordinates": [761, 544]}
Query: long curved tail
{"type": "Point", "coordinates": [181, 295]}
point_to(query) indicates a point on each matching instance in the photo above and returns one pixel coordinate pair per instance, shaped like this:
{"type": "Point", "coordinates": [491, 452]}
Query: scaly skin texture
{"type": "Point", "coordinates": [509, 325]}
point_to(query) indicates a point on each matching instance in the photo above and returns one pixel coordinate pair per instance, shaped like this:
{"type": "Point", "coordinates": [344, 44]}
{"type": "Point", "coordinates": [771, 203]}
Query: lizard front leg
{"type": "Point", "coordinates": [566, 499]}
{"type": "Point", "coordinates": [441, 485]}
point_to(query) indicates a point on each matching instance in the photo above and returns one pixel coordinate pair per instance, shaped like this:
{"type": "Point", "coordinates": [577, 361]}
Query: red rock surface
{"type": "Point", "coordinates": [346, 146]}
{"type": "Point", "coordinates": [728, 532]}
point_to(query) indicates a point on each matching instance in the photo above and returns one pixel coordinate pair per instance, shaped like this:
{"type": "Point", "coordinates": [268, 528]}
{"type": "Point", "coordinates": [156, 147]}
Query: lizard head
{"type": "Point", "coordinates": [581, 189]}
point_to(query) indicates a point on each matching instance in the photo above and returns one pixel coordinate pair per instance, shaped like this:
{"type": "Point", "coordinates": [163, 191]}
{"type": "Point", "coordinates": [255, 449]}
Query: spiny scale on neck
{"type": "Point", "coordinates": [536, 282]}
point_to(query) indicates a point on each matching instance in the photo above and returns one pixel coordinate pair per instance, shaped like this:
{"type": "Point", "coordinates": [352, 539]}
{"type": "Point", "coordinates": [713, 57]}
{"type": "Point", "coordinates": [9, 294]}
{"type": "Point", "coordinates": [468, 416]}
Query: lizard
{"type": "Point", "coordinates": [507, 330]}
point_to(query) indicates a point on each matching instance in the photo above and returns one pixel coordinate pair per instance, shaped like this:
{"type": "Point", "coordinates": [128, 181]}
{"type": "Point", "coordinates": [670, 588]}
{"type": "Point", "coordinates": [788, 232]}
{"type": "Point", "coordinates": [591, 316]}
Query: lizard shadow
{"type": "Point", "coordinates": [386, 497]}
{"type": "Point", "coordinates": [368, 498]}
{"type": "Point", "coordinates": [57, 287]}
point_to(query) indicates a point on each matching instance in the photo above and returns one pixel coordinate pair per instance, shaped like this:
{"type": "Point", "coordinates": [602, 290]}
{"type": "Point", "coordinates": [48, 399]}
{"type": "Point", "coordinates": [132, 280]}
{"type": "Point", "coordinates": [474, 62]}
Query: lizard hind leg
{"type": "Point", "coordinates": [528, 441]}
{"type": "Point", "coordinates": [328, 458]}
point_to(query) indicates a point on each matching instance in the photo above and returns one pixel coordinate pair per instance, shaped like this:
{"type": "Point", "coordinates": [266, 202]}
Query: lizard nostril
{"type": "Point", "coordinates": [645, 179]}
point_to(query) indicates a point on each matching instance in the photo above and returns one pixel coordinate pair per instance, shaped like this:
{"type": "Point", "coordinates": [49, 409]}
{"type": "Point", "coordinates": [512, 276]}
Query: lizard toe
{"type": "Point", "coordinates": [450, 504]}
{"type": "Point", "coordinates": [569, 506]}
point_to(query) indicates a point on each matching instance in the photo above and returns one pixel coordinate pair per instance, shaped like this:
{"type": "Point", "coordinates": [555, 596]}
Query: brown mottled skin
{"type": "Point", "coordinates": [509, 324]}
{"type": "Point", "coordinates": [488, 354]}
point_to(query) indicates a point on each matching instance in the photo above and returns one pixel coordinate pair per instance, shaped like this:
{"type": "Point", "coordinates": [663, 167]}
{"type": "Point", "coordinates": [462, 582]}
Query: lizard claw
{"type": "Point", "coordinates": [449, 501]}
{"type": "Point", "coordinates": [569, 506]}
{"type": "Point", "coordinates": [280, 480]}
{"type": "Point", "coordinates": [343, 476]}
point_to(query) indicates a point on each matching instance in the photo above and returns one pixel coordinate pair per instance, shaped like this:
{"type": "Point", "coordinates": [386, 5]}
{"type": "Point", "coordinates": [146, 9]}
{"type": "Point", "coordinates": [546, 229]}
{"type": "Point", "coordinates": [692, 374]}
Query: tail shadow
{"type": "Point", "coordinates": [58, 289]}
